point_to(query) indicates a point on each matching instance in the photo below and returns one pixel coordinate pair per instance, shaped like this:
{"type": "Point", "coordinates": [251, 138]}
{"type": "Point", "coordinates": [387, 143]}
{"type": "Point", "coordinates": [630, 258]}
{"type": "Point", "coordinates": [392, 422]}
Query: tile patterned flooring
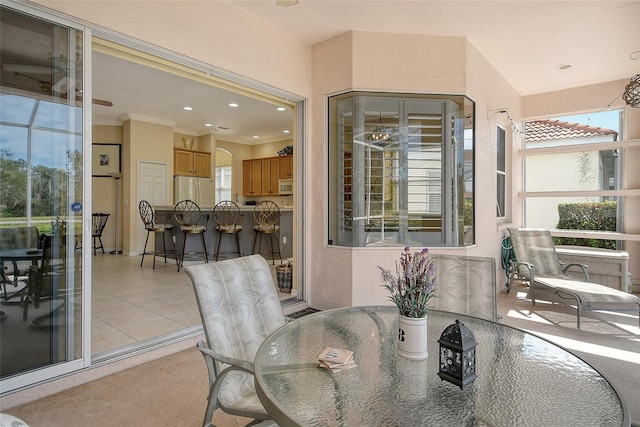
{"type": "Point", "coordinates": [132, 303]}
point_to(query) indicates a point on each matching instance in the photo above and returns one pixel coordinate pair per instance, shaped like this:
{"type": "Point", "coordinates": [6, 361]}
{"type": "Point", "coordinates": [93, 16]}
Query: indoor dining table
{"type": "Point", "coordinates": [522, 380]}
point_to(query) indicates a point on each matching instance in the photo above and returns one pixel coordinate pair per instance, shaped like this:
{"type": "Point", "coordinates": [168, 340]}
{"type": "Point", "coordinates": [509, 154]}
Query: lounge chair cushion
{"type": "Point", "coordinates": [588, 292]}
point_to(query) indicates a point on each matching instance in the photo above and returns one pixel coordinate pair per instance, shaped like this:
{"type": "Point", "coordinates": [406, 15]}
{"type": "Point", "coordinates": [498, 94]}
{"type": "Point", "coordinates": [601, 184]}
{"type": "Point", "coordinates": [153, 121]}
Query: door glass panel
{"type": "Point", "coordinates": [41, 159]}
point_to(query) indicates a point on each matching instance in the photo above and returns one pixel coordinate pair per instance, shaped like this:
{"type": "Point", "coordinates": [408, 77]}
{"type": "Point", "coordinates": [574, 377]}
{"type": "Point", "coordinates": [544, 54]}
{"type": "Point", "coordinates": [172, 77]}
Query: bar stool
{"type": "Point", "coordinates": [267, 216]}
{"type": "Point", "coordinates": [188, 216]}
{"type": "Point", "coordinates": [148, 216]}
{"type": "Point", "coordinates": [227, 216]}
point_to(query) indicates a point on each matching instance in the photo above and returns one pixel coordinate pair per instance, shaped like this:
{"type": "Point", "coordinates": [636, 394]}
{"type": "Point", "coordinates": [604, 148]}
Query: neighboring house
{"type": "Point", "coordinates": [589, 170]}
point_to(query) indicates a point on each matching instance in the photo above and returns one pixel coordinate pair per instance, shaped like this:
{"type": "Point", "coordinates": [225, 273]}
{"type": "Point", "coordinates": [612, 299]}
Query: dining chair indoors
{"type": "Point", "coordinates": [191, 222]}
{"type": "Point", "coordinates": [227, 216]}
{"type": "Point", "coordinates": [266, 214]}
{"type": "Point", "coordinates": [99, 221]}
{"type": "Point", "coordinates": [149, 218]}
{"type": "Point", "coordinates": [239, 308]}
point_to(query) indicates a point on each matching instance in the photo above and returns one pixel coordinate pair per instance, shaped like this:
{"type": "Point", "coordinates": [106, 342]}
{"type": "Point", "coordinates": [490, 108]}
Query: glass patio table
{"type": "Point", "coordinates": [521, 379]}
{"type": "Point", "coordinates": [14, 256]}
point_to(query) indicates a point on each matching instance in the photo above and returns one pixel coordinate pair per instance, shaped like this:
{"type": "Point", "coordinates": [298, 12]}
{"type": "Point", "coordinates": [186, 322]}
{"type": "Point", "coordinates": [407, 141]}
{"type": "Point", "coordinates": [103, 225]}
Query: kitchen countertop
{"type": "Point", "coordinates": [228, 246]}
{"type": "Point", "coordinates": [243, 208]}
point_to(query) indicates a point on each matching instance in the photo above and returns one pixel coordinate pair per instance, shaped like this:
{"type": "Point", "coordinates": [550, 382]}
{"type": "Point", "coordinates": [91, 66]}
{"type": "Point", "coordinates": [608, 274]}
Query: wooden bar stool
{"type": "Point", "coordinates": [189, 218]}
{"type": "Point", "coordinates": [148, 216]}
{"type": "Point", "coordinates": [267, 216]}
{"type": "Point", "coordinates": [227, 216]}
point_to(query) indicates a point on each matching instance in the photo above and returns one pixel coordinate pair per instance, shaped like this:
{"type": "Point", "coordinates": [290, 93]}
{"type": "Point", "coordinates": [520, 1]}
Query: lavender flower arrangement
{"type": "Point", "coordinates": [413, 284]}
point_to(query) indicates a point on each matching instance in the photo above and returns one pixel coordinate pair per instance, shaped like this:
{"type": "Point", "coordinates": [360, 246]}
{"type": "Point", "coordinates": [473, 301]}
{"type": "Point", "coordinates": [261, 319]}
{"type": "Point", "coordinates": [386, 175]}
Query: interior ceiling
{"type": "Point", "coordinates": [524, 40]}
{"type": "Point", "coordinates": [138, 89]}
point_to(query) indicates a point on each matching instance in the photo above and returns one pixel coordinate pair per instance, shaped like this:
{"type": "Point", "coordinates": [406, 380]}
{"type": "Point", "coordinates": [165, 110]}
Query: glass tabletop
{"type": "Point", "coordinates": [20, 254]}
{"type": "Point", "coordinates": [522, 379]}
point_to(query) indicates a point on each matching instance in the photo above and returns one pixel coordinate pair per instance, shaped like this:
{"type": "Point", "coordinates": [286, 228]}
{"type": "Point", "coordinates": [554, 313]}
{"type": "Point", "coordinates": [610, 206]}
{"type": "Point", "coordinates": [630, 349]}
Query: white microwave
{"type": "Point", "coordinates": [285, 186]}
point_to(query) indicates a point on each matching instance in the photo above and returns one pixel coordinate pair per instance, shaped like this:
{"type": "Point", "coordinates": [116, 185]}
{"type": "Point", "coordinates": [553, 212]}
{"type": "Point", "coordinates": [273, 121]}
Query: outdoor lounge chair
{"type": "Point", "coordinates": [538, 265]}
{"type": "Point", "coordinates": [239, 307]}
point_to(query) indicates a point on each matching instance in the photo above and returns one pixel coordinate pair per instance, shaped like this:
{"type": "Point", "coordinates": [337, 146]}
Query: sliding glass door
{"type": "Point", "coordinates": [41, 198]}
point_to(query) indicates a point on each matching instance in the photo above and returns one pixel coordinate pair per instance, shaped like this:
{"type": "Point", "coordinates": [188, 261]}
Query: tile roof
{"type": "Point", "coordinates": [550, 129]}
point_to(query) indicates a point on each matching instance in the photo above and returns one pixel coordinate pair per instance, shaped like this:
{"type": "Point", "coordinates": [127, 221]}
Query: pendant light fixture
{"type": "Point", "coordinates": [631, 94]}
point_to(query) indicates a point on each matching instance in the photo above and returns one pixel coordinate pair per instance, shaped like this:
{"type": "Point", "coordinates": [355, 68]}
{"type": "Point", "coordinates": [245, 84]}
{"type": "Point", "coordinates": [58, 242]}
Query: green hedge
{"type": "Point", "coordinates": [599, 216]}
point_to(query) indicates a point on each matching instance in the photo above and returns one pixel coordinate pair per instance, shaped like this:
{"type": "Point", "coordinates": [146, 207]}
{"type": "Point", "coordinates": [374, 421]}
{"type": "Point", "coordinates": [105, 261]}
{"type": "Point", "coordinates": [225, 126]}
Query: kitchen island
{"type": "Point", "coordinates": [228, 246]}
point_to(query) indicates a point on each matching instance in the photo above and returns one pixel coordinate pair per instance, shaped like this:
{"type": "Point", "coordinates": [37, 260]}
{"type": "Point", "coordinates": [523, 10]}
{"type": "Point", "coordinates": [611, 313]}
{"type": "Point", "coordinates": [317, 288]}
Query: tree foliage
{"type": "Point", "coordinates": [49, 186]}
{"type": "Point", "coordinates": [597, 216]}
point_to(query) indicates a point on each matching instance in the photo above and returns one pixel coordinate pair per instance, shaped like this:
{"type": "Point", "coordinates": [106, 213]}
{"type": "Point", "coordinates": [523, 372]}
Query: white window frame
{"type": "Point", "coordinates": [223, 183]}
{"type": "Point", "coordinates": [579, 148]}
{"type": "Point", "coordinates": [501, 157]}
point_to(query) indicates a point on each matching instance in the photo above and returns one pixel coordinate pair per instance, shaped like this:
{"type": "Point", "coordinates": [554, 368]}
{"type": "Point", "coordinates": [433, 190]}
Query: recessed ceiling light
{"type": "Point", "coordinates": [208, 125]}
{"type": "Point", "coordinates": [234, 105]}
{"type": "Point", "coordinates": [281, 109]}
{"type": "Point", "coordinates": [188, 108]}
{"type": "Point", "coordinates": [286, 131]}
{"type": "Point", "coordinates": [255, 137]}
{"type": "Point", "coordinates": [564, 66]}
{"type": "Point", "coordinates": [223, 128]}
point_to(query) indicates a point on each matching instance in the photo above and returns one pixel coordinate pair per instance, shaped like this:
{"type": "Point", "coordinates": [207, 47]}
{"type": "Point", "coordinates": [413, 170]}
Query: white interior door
{"type": "Point", "coordinates": [153, 186]}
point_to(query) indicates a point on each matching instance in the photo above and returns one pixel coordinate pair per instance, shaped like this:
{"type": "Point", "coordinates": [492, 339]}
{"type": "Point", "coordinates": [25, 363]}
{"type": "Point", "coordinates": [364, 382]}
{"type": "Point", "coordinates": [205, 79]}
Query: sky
{"type": "Point", "coordinates": [606, 119]}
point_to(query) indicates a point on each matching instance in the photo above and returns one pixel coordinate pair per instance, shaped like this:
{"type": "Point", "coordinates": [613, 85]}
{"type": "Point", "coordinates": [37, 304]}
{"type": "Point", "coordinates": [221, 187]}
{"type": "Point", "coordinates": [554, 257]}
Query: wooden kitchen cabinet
{"type": "Point", "coordinates": [286, 167]}
{"type": "Point", "coordinates": [260, 176]}
{"type": "Point", "coordinates": [192, 163]}
{"type": "Point", "coordinates": [252, 177]}
{"type": "Point", "coordinates": [270, 176]}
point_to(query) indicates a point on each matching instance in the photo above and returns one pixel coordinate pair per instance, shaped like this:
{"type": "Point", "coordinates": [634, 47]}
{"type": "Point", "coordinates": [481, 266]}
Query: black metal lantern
{"type": "Point", "coordinates": [457, 355]}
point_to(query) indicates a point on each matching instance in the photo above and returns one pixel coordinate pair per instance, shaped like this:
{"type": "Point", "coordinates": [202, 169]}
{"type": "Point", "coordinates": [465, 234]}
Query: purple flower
{"type": "Point", "coordinates": [413, 284]}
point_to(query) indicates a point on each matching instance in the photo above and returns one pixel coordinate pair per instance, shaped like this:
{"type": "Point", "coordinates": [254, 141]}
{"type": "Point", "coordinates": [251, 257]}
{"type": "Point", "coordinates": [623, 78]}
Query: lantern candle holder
{"type": "Point", "coordinates": [457, 355]}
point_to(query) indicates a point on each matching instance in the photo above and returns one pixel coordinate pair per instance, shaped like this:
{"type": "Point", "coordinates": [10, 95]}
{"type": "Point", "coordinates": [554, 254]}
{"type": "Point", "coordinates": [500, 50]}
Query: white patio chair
{"type": "Point", "coordinates": [239, 307]}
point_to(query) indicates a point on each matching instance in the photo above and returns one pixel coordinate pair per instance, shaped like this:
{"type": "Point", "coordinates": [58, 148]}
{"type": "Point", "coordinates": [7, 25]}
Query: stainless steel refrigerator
{"type": "Point", "coordinates": [200, 190]}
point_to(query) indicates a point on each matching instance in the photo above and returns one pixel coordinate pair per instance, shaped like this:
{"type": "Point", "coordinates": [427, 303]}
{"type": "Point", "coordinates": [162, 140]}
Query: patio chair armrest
{"type": "Point", "coordinates": [243, 365]}
{"type": "Point", "coordinates": [582, 267]}
{"type": "Point", "coordinates": [529, 267]}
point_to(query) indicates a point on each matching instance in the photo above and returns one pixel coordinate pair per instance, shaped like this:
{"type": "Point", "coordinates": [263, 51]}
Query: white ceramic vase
{"type": "Point", "coordinates": [412, 337]}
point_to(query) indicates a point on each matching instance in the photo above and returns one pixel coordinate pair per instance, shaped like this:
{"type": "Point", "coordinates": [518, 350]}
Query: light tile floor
{"type": "Point", "coordinates": [132, 303]}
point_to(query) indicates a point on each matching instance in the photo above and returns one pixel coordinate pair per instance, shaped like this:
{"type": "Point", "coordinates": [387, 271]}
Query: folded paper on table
{"type": "Point", "coordinates": [336, 359]}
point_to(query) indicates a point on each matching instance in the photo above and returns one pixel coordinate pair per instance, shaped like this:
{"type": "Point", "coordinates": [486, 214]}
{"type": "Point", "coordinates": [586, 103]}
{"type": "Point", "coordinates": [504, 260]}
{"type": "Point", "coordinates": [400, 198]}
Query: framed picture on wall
{"type": "Point", "coordinates": [106, 159]}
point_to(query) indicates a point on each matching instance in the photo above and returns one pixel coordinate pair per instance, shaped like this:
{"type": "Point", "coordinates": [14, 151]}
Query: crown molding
{"type": "Point", "coordinates": [185, 131]}
{"type": "Point", "coordinates": [148, 119]}
{"type": "Point", "coordinates": [207, 131]}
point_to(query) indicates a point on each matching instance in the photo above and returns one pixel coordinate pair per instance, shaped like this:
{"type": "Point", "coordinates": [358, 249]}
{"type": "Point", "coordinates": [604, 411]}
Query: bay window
{"type": "Point", "coordinates": [400, 170]}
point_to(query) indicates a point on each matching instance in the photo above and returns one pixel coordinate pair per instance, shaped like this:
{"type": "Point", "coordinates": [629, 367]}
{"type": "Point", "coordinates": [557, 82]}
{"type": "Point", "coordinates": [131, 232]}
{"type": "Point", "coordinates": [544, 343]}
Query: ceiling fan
{"type": "Point", "coordinates": [58, 76]}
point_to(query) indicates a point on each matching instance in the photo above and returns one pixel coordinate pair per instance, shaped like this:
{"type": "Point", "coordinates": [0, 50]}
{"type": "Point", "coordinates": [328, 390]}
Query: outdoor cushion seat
{"type": "Point", "coordinates": [239, 308]}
